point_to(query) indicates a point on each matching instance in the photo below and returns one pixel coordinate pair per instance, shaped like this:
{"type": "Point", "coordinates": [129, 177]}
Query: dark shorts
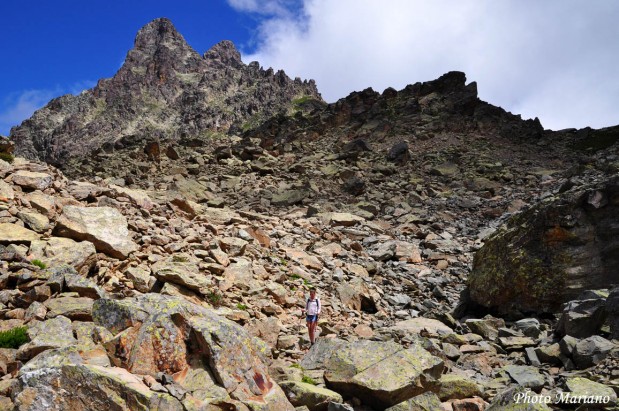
{"type": "Point", "coordinates": [312, 318]}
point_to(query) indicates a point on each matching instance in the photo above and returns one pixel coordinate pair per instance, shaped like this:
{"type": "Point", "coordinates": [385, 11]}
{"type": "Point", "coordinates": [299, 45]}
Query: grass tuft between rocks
{"type": "Point", "coordinates": [39, 264]}
{"type": "Point", "coordinates": [7, 157]}
{"type": "Point", "coordinates": [308, 380]}
{"type": "Point", "coordinates": [14, 337]}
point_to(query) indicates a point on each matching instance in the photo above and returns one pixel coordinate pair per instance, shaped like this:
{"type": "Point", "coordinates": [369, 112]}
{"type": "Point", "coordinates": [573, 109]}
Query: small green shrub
{"type": "Point", "coordinates": [241, 306]}
{"type": "Point", "coordinates": [308, 380]}
{"type": "Point", "coordinates": [14, 337]}
{"type": "Point", "coordinates": [180, 259]}
{"type": "Point", "coordinates": [7, 157]}
{"type": "Point", "coordinates": [214, 298]}
{"type": "Point", "coordinates": [295, 276]}
{"type": "Point", "coordinates": [39, 264]}
{"type": "Point", "coordinates": [296, 365]}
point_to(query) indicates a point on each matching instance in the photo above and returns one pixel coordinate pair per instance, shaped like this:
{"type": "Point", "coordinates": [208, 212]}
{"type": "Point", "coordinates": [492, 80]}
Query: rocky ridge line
{"type": "Point", "coordinates": [164, 91]}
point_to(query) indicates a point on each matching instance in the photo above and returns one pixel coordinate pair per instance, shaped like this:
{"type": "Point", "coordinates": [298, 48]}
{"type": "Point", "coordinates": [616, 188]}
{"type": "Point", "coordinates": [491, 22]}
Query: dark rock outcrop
{"type": "Point", "coordinates": [552, 252]}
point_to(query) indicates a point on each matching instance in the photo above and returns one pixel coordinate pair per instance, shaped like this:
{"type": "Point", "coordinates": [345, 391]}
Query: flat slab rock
{"type": "Point", "coordinates": [419, 324]}
{"type": "Point", "coordinates": [57, 251]}
{"type": "Point", "coordinates": [16, 234]}
{"type": "Point", "coordinates": [32, 180]}
{"type": "Point", "coordinates": [381, 374]}
{"type": "Point", "coordinates": [84, 387]}
{"type": "Point", "coordinates": [105, 227]}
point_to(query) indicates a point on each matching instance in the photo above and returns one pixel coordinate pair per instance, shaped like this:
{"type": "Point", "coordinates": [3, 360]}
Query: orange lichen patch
{"type": "Point", "coordinates": [557, 234]}
{"type": "Point", "coordinates": [169, 350]}
{"type": "Point", "coordinates": [120, 347]}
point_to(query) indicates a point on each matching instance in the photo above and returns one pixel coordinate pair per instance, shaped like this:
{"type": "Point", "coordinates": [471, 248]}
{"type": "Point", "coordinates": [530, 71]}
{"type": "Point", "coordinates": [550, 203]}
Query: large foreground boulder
{"type": "Point", "coordinates": [105, 227]}
{"type": "Point", "coordinates": [212, 358]}
{"type": "Point", "coordinates": [550, 253]}
{"type": "Point", "coordinates": [381, 374]}
{"type": "Point", "coordinates": [82, 387]}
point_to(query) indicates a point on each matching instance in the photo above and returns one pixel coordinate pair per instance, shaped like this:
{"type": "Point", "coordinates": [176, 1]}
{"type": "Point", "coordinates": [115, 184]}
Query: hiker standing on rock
{"type": "Point", "coordinates": [312, 310]}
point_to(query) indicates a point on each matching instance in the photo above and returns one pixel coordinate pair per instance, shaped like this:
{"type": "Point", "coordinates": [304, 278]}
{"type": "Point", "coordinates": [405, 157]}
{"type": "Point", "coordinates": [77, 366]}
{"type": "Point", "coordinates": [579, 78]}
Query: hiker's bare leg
{"type": "Point", "coordinates": [312, 331]}
{"type": "Point", "coordinates": [309, 330]}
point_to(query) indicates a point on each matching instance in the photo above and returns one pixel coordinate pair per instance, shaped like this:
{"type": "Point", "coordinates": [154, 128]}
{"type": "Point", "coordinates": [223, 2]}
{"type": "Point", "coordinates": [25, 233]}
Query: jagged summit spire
{"type": "Point", "coordinates": [157, 32]}
{"type": "Point", "coordinates": [225, 52]}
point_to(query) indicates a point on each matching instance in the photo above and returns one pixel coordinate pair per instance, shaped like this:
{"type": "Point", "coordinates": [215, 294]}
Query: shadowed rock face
{"type": "Point", "coordinates": [552, 252]}
{"type": "Point", "coordinates": [164, 90]}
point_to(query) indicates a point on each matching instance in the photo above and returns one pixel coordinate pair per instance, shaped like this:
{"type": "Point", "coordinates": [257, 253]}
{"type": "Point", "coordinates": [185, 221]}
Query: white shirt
{"type": "Point", "coordinates": [313, 306]}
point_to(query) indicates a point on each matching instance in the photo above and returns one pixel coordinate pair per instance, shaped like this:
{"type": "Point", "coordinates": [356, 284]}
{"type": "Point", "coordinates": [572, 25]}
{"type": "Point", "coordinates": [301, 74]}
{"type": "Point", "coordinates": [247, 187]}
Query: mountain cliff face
{"type": "Point", "coordinates": [164, 90]}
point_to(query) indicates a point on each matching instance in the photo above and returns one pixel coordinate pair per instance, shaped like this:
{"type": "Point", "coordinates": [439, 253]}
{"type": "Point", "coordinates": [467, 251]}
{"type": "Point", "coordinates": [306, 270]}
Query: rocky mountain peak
{"type": "Point", "coordinates": [165, 90]}
{"type": "Point", "coordinates": [224, 52]}
{"type": "Point", "coordinates": [157, 32]}
{"type": "Point", "coordinates": [158, 48]}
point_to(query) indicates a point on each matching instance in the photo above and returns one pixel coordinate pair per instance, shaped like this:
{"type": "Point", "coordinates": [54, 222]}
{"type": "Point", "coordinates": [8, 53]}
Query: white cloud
{"type": "Point", "coordinates": [554, 59]}
{"type": "Point", "coordinates": [265, 7]}
{"type": "Point", "coordinates": [18, 106]}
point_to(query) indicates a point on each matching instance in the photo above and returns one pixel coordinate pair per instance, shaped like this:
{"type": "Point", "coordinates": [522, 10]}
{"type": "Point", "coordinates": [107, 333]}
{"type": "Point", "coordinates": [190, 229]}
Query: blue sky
{"type": "Point", "coordinates": [552, 59]}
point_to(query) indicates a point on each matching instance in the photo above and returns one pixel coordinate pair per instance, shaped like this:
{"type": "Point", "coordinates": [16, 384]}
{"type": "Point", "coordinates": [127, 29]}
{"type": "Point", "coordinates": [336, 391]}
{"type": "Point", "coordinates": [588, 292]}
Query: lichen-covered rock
{"type": "Point", "coordinates": [15, 234]}
{"type": "Point", "coordinates": [47, 335]}
{"type": "Point", "coordinates": [83, 387]}
{"type": "Point", "coordinates": [457, 387]}
{"type": "Point", "coordinates": [381, 374]}
{"type": "Point", "coordinates": [56, 251]}
{"type": "Point", "coordinates": [428, 401]}
{"type": "Point", "coordinates": [514, 399]}
{"type": "Point", "coordinates": [550, 253]}
{"type": "Point", "coordinates": [155, 333]}
{"type": "Point", "coordinates": [105, 227]}
{"type": "Point", "coordinates": [183, 273]}
{"type": "Point", "coordinates": [584, 388]}
{"type": "Point", "coordinates": [313, 397]}
{"type": "Point", "coordinates": [79, 308]}
{"type": "Point", "coordinates": [36, 221]}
